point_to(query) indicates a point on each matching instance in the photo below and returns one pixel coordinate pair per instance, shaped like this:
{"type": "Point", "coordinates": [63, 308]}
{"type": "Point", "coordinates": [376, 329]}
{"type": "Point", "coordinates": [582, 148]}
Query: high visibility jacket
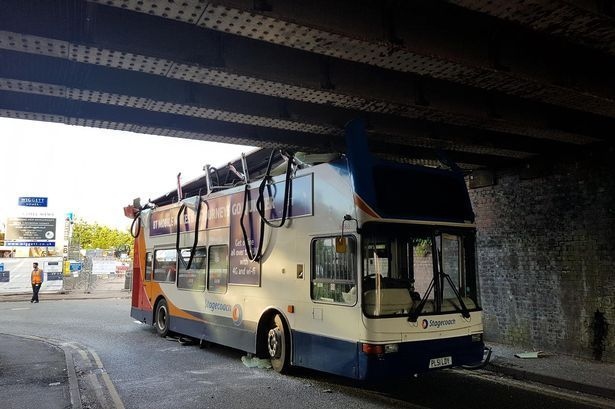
{"type": "Point", "coordinates": [37, 276]}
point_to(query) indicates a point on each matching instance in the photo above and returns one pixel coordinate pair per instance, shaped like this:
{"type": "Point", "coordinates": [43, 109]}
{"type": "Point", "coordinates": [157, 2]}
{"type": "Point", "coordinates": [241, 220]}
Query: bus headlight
{"type": "Point", "coordinates": [477, 337]}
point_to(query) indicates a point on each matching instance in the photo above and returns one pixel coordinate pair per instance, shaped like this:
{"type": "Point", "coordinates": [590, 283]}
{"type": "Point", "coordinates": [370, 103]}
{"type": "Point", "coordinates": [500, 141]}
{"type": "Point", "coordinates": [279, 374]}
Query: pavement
{"type": "Point", "coordinates": [37, 373]}
{"type": "Point", "coordinates": [562, 371]}
{"type": "Point", "coordinates": [68, 295]}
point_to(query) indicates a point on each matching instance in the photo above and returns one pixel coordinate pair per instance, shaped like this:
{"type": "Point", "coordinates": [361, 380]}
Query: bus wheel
{"type": "Point", "coordinates": [161, 322]}
{"type": "Point", "coordinates": [278, 345]}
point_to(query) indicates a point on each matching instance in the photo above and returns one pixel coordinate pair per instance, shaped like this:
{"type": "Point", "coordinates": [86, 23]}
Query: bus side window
{"type": "Point", "coordinates": [193, 279]}
{"type": "Point", "coordinates": [148, 266]}
{"type": "Point", "coordinates": [165, 265]}
{"type": "Point", "coordinates": [217, 281]}
{"type": "Point", "coordinates": [334, 274]}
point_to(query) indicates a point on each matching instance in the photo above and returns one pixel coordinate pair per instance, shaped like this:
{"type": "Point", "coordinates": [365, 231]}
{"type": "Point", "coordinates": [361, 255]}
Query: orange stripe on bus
{"type": "Point", "coordinates": [364, 206]}
{"type": "Point", "coordinates": [173, 309]}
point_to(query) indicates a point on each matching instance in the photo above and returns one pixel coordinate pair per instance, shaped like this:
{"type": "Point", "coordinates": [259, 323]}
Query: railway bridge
{"type": "Point", "coordinates": [520, 94]}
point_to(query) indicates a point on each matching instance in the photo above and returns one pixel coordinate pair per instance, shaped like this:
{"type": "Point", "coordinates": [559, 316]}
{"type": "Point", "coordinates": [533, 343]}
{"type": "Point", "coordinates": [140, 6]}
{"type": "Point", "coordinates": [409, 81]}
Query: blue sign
{"type": "Point", "coordinates": [31, 243]}
{"type": "Point", "coordinates": [33, 201]}
{"type": "Point", "coordinates": [5, 276]}
{"type": "Point", "coordinates": [75, 267]}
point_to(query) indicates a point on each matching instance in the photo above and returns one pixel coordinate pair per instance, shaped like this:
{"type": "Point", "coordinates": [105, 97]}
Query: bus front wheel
{"type": "Point", "coordinates": [161, 322]}
{"type": "Point", "coordinates": [278, 344]}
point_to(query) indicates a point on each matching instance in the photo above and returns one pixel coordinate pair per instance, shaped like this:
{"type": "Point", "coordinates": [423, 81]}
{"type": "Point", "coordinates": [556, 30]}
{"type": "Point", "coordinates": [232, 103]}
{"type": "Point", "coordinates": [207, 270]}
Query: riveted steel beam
{"type": "Point", "coordinates": [134, 89]}
{"type": "Point", "coordinates": [74, 112]}
{"type": "Point", "coordinates": [227, 78]}
{"type": "Point", "coordinates": [53, 105]}
{"type": "Point", "coordinates": [126, 63]}
{"type": "Point", "coordinates": [313, 31]}
{"type": "Point", "coordinates": [183, 51]}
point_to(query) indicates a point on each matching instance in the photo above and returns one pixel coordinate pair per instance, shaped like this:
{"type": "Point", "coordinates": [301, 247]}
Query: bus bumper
{"type": "Point", "coordinates": [415, 357]}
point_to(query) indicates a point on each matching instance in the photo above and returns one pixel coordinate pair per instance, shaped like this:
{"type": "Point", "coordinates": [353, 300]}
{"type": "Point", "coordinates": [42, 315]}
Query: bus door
{"type": "Point", "coordinates": [328, 331]}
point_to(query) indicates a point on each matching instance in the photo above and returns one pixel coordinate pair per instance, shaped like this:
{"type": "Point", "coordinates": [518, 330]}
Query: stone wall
{"type": "Point", "coordinates": [546, 255]}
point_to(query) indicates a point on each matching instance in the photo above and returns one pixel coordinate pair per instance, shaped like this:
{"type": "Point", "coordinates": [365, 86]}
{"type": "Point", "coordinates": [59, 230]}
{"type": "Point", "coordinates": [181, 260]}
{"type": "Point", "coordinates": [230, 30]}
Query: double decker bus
{"type": "Point", "coordinates": [342, 263]}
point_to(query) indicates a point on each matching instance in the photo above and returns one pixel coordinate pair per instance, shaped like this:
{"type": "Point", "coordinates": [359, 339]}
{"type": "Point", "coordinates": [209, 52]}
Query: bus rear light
{"type": "Point", "coordinates": [371, 349]}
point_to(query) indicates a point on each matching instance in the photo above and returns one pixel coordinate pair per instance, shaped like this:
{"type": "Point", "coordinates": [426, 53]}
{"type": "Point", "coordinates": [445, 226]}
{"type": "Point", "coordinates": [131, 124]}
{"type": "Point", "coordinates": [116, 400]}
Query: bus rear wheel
{"type": "Point", "coordinates": [161, 321]}
{"type": "Point", "coordinates": [278, 345]}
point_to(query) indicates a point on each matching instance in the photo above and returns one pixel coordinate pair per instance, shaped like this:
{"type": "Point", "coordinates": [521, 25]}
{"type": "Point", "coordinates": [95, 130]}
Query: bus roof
{"type": "Point", "coordinates": [257, 161]}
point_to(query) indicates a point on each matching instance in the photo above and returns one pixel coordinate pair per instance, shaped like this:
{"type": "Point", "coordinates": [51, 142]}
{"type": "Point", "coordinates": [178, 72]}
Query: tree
{"type": "Point", "coordinates": [95, 236]}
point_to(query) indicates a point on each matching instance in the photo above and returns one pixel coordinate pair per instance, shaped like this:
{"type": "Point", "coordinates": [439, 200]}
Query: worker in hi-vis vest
{"type": "Point", "coordinates": [37, 280]}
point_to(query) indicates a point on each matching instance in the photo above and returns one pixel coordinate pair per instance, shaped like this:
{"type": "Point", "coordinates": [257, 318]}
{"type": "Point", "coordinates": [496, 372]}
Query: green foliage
{"type": "Point", "coordinates": [95, 236]}
{"type": "Point", "coordinates": [423, 246]}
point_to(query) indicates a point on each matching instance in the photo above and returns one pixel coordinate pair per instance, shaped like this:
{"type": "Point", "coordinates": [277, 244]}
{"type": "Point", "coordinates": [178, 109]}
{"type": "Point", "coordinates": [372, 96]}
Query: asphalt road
{"type": "Point", "coordinates": [142, 370]}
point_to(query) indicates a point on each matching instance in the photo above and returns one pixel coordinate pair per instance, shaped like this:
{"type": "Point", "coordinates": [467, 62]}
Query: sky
{"type": "Point", "coordinates": [95, 172]}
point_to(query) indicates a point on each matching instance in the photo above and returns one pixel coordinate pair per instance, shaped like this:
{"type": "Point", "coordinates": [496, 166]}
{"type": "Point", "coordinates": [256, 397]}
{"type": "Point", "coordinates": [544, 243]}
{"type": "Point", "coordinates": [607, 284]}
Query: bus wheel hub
{"type": "Point", "coordinates": [273, 343]}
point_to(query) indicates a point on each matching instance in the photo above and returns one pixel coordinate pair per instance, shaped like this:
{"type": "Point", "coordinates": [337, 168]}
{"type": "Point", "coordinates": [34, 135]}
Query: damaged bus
{"type": "Point", "coordinates": [342, 263]}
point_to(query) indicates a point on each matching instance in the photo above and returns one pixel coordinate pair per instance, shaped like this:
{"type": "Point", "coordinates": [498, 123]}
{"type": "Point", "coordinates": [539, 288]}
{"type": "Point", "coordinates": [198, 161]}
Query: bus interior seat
{"type": "Point", "coordinates": [452, 304]}
{"type": "Point", "coordinates": [392, 300]}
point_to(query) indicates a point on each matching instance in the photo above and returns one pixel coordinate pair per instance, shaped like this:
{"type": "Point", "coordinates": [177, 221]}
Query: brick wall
{"type": "Point", "coordinates": [546, 255]}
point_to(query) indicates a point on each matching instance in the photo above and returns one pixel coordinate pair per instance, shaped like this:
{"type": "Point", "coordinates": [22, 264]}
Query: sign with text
{"type": "Point", "coordinates": [101, 265]}
{"type": "Point", "coordinates": [31, 229]}
{"type": "Point", "coordinates": [53, 269]}
{"type": "Point", "coordinates": [31, 243]}
{"type": "Point", "coordinates": [214, 213]}
{"type": "Point", "coordinates": [242, 269]}
{"type": "Point", "coordinates": [15, 277]}
{"type": "Point", "coordinates": [229, 211]}
{"type": "Point", "coordinates": [165, 221]}
{"type": "Point", "coordinates": [29, 201]}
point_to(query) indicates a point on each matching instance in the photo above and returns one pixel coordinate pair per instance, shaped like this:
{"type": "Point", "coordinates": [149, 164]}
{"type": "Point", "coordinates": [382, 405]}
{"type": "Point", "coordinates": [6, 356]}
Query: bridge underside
{"type": "Point", "coordinates": [485, 84]}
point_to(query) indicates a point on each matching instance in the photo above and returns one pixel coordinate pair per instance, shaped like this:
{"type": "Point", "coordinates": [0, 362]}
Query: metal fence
{"type": "Point", "coordinates": [89, 280]}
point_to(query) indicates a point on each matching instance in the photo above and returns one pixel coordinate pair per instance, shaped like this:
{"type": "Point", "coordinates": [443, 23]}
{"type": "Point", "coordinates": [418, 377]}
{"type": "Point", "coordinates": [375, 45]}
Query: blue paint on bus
{"type": "Point", "coordinates": [346, 358]}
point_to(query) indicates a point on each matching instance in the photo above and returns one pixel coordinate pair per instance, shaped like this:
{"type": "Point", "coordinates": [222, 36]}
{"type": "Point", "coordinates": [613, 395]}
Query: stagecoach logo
{"type": "Point", "coordinates": [437, 323]}
{"type": "Point", "coordinates": [237, 315]}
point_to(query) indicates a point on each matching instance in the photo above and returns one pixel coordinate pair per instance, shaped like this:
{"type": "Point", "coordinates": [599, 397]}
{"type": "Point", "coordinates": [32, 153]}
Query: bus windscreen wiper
{"type": "Point", "coordinates": [413, 315]}
{"type": "Point", "coordinates": [464, 310]}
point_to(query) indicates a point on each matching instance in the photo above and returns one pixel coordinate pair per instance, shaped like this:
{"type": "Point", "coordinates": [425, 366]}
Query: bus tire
{"type": "Point", "coordinates": [162, 319]}
{"type": "Point", "coordinates": [278, 344]}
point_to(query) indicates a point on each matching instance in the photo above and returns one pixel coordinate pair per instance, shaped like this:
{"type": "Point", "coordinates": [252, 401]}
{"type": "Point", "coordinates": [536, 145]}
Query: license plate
{"type": "Point", "coordinates": [440, 362]}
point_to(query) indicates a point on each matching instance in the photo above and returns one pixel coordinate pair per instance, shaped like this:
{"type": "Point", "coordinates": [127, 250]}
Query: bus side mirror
{"type": "Point", "coordinates": [340, 244]}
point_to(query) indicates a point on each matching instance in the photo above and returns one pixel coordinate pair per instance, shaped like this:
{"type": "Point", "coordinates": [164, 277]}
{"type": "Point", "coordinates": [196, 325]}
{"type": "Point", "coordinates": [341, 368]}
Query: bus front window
{"type": "Point", "coordinates": [417, 273]}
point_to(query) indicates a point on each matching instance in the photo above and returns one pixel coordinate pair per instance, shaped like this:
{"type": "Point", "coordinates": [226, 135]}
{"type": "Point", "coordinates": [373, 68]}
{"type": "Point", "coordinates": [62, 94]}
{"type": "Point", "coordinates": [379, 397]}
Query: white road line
{"type": "Point", "coordinates": [117, 401]}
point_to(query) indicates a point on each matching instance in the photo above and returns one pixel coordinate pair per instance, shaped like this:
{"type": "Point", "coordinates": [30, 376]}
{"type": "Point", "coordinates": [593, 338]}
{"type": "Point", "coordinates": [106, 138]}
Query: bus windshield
{"type": "Point", "coordinates": [414, 272]}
